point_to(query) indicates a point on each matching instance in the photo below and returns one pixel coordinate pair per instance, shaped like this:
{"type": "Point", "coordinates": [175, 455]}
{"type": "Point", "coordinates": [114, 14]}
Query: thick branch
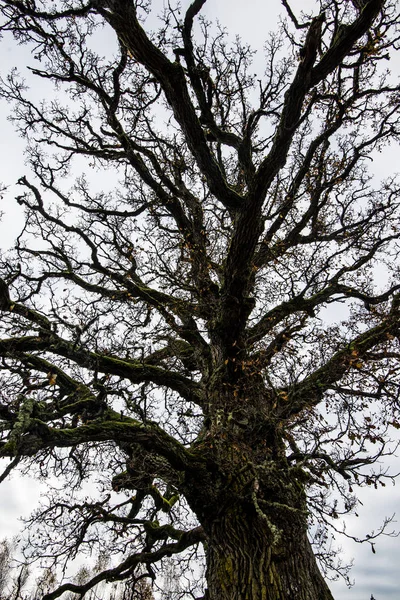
{"type": "Point", "coordinates": [310, 391]}
{"type": "Point", "coordinates": [123, 19]}
{"type": "Point", "coordinates": [41, 436]}
{"type": "Point", "coordinates": [135, 371]}
{"type": "Point", "coordinates": [125, 568]}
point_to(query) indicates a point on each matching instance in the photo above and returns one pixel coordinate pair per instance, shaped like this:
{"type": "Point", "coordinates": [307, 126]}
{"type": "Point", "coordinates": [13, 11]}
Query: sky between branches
{"type": "Point", "coordinates": [376, 574]}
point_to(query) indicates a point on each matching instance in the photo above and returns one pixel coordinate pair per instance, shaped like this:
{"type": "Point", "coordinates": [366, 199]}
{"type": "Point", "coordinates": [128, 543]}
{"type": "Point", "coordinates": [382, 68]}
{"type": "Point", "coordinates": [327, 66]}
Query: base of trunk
{"type": "Point", "coordinates": [248, 560]}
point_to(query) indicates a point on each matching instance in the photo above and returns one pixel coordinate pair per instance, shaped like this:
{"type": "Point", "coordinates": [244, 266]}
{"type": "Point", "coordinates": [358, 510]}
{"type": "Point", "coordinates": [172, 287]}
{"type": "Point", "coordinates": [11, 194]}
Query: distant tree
{"type": "Point", "coordinates": [139, 590]}
{"type": "Point", "coordinates": [5, 566]}
{"type": "Point", "coordinates": [165, 315]}
{"type": "Point", "coordinates": [21, 580]}
{"type": "Point", "coordinates": [45, 582]}
{"type": "Point", "coordinates": [13, 575]}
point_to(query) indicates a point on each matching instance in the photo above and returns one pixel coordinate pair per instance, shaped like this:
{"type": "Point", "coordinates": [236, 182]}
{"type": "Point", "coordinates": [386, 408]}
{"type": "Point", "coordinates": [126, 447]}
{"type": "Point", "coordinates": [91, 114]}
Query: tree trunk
{"type": "Point", "coordinates": [249, 559]}
{"type": "Point", "coordinates": [253, 507]}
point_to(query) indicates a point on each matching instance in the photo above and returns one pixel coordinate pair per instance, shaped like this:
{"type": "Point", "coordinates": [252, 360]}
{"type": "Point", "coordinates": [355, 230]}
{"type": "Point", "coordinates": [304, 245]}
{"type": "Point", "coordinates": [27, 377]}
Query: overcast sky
{"type": "Point", "coordinates": [377, 574]}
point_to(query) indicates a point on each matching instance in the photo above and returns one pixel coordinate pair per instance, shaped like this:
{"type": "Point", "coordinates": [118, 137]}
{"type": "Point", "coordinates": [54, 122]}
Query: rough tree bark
{"type": "Point", "coordinates": [167, 337]}
{"type": "Point", "coordinates": [242, 566]}
{"type": "Point", "coordinates": [254, 513]}
{"type": "Point", "coordinates": [257, 545]}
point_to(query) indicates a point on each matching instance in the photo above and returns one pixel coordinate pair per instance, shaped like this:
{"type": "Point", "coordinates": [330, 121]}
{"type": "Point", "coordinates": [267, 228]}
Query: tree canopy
{"type": "Point", "coordinates": [192, 317]}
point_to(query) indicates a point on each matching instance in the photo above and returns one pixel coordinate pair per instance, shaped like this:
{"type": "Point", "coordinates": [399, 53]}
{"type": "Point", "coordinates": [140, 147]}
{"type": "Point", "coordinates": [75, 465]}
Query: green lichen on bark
{"type": "Point", "coordinates": [21, 425]}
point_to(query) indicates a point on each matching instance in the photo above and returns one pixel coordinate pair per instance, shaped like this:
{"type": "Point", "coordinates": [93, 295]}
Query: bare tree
{"type": "Point", "coordinates": [13, 575]}
{"type": "Point", "coordinates": [164, 315]}
{"type": "Point", "coordinates": [5, 565]}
